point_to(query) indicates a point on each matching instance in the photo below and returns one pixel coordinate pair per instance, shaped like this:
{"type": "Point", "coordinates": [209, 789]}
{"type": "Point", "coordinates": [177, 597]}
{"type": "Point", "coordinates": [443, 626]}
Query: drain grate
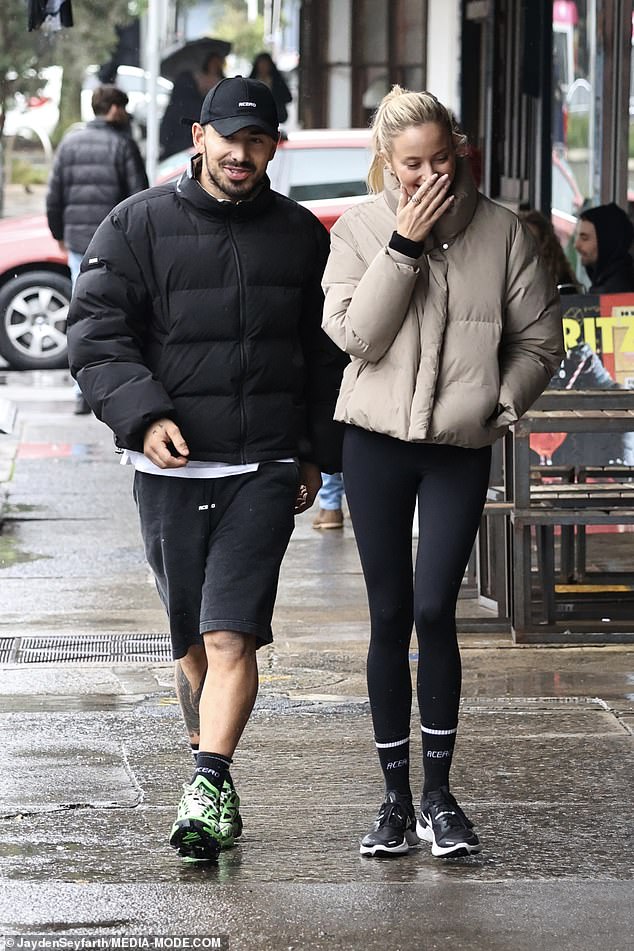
{"type": "Point", "coordinates": [6, 649]}
{"type": "Point", "coordinates": [86, 648]}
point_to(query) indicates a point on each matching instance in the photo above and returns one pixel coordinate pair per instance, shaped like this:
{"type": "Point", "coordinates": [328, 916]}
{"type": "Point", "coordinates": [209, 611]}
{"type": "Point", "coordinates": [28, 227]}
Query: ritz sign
{"type": "Point", "coordinates": [606, 327]}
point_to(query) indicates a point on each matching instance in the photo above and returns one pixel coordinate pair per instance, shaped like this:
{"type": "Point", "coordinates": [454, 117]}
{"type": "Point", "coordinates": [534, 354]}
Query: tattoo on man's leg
{"type": "Point", "coordinates": [189, 699]}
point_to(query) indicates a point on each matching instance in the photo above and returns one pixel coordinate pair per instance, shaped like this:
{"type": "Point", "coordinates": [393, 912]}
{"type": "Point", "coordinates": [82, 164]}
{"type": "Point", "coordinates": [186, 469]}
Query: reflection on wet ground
{"type": "Point", "coordinates": [93, 755]}
{"type": "Point", "coordinates": [10, 553]}
{"type": "Point", "coordinates": [308, 784]}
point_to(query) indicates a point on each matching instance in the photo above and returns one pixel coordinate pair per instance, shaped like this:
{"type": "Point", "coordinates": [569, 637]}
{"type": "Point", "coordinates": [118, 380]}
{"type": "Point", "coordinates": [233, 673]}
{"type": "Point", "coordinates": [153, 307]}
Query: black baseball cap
{"type": "Point", "coordinates": [236, 103]}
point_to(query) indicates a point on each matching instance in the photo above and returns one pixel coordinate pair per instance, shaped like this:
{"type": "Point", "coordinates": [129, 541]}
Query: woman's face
{"type": "Point", "coordinates": [263, 67]}
{"type": "Point", "coordinates": [421, 151]}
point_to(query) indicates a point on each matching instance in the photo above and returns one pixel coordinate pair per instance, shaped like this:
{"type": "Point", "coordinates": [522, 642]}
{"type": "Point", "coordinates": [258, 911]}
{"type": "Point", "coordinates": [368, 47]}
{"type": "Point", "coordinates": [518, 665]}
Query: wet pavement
{"type": "Point", "coordinates": [93, 753]}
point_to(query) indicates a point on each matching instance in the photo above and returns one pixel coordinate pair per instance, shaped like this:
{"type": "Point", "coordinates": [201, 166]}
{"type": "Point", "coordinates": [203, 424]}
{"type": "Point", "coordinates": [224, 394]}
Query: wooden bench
{"type": "Point", "coordinates": [545, 519]}
{"type": "Point", "coordinates": [592, 496]}
{"type": "Point", "coordinates": [586, 495]}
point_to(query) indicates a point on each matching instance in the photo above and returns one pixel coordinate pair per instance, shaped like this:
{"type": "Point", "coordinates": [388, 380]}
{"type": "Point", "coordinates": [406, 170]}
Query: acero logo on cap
{"type": "Point", "coordinates": [236, 103]}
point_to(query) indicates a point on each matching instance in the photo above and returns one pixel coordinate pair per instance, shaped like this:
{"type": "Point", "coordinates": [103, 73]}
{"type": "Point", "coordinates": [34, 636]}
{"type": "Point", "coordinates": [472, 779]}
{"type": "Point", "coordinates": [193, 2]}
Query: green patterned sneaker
{"type": "Point", "coordinates": [196, 833]}
{"type": "Point", "coordinates": [230, 821]}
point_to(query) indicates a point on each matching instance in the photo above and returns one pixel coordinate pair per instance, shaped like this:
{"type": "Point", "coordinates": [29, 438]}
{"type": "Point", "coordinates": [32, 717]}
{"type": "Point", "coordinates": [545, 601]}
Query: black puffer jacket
{"type": "Point", "coordinates": [95, 168]}
{"type": "Point", "coordinates": [209, 313]}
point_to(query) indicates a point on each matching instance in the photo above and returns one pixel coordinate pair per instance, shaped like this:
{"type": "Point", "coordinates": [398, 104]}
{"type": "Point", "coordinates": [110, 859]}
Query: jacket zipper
{"type": "Point", "coordinates": [243, 357]}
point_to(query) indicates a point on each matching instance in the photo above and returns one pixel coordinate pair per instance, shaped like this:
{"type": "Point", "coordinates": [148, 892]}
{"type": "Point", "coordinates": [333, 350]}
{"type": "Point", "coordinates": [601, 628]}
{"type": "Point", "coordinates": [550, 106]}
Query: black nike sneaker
{"type": "Point", "coordinates": [394, 829]}
{"type": "Point", "coordinates": [443, 823]}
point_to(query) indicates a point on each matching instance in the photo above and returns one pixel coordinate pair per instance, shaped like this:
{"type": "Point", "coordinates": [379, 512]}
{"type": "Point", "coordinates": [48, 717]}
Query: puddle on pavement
{"type": "Point", "coordinates": [10, 554]}
{"type": "Point", "coordinates": [51, 703]}
{"type": "Point", "coordinates": [21, 508]}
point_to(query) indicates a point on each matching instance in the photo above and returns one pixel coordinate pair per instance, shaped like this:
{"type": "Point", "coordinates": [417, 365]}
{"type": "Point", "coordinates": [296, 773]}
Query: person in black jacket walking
{"type": "Point", "coordinates": [95, 168]}
{"type": "Point", "coordinates": [186, 100]}
{"type": "Point", "coordinates": [267, 72]}
{"type": "Point", "coordinates": [195, 334]}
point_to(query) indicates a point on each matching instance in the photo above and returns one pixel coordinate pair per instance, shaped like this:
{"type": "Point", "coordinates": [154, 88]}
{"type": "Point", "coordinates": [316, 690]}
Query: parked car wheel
{"type": "Point", "coordinates": [33, 313]}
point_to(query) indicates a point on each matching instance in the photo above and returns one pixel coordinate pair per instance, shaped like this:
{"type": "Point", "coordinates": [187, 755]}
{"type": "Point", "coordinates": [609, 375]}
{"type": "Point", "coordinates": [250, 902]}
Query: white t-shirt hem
{"type": "Point", "coordinates": [193, 470]}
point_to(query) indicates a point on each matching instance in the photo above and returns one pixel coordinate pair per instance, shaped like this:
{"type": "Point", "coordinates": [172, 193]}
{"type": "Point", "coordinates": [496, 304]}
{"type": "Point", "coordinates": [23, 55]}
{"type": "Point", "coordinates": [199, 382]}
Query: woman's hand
{"type": "Point", "coordinates": [417, 214]}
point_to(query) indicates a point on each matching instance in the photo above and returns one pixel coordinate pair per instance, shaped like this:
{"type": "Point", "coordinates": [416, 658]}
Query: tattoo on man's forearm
{"type": "Point", "coordinates": [189, 699]}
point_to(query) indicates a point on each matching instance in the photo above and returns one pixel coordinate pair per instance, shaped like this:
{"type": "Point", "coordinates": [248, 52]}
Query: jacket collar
{"type": "Point", "coordinates": [189, 188]}
{"type": "Point", "coordinates": [100, 123]}
{"type": "Point", "coordinates": [456, 219]}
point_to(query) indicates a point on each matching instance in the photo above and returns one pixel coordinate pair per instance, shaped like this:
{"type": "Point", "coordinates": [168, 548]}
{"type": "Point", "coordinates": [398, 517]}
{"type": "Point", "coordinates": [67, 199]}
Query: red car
{"type": "Point", "coordinates": [323, 169]}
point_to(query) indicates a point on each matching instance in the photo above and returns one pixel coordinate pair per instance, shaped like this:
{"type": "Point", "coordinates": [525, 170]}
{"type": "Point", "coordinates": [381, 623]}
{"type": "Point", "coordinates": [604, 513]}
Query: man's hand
{"type": "Point", "coordinates": [309, 486]}
{"type": "Point", "coordinates": [62, 247]}
{"type": "Point", "coordinates": [164, 445]}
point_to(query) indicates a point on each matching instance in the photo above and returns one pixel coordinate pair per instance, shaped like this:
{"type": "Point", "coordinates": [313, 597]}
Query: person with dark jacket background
{"type": "Point", "coordinates": [195, 334]}
{"type": "Point", "coordinates": [190, 89]}
{"type": "Point", "coordinates": [95, 168]}
{"type": "Point", "coordinates": [267, 72]}
{"type": "Point", "coordinates": [603, 241]}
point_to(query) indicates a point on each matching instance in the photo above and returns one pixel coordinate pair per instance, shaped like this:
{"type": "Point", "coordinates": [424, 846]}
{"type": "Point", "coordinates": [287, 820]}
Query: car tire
{"type": "Point", "coordinates": [33, 313]}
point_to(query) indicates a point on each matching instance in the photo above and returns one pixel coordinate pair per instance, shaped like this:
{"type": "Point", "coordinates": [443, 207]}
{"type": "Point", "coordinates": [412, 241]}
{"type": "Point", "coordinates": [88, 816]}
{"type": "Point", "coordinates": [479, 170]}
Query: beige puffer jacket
{"type": "Point", "coordinates": [451, 347]}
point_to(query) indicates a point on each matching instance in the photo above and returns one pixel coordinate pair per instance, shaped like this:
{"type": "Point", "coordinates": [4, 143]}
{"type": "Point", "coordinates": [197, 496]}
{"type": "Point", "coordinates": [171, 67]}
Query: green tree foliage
{"type": "Point", "coordinates": [247, 38]}
{"type": "Point", "coordinates": [22, 54]}
{"type": "Point", "coordinates": [91, 40]}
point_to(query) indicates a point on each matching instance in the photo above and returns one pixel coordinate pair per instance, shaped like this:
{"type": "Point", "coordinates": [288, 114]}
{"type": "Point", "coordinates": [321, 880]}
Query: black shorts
{"type": "Point", "coordinates": [215, 547]}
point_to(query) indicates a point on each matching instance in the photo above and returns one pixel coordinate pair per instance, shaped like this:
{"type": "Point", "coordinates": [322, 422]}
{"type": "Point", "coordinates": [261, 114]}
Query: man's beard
{"type": "Point", "coordinates": [233, 190]}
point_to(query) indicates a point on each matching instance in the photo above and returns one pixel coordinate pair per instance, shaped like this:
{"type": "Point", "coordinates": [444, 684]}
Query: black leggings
{"type": "Point", "coordinates": [384, 477]}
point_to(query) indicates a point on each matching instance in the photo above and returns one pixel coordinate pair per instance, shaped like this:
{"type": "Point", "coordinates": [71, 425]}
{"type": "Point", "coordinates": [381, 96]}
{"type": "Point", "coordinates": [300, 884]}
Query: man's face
{"type": "Point", "coordinates": [235, 165]}
{"type": "Point", "coordinates": [586, 244]}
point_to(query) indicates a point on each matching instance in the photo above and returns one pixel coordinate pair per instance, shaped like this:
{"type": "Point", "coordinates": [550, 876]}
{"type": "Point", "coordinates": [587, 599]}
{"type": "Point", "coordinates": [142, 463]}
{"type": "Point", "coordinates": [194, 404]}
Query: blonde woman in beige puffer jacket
{"type": "Point", "coordinates": [453, 326]}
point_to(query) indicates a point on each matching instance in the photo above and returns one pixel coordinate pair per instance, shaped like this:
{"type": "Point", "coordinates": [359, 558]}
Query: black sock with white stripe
{"type": "Point", "coordinates": [438, 745]}
{"type": "Point", "coordinates": [195, 751]}
{"type": "Point", "coordinates": [394, 759]}
{"type": "Point", "coordinates": [213, 767]}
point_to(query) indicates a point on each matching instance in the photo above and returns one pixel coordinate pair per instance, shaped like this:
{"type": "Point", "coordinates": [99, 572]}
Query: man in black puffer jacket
{"type": "Point", "coordinates": [195, 334]}
{"type": "Point", "coordinates": [95, 168]}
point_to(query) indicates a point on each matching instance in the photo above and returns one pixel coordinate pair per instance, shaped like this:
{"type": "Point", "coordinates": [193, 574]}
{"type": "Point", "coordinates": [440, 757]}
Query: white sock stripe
{"type": "Point", "coordinates": [427, 729]}
{"type": "Point", "coordinates": [386, 746]}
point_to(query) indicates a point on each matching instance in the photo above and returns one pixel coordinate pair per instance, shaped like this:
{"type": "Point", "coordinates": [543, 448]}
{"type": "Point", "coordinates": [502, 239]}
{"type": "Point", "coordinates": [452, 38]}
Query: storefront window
{"type": "Point", "coordinates": [630, 163]}
{"type": "Point", "coordinates": [575, 111]}
{"type": "Point", "coordinates": [338, 64]}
